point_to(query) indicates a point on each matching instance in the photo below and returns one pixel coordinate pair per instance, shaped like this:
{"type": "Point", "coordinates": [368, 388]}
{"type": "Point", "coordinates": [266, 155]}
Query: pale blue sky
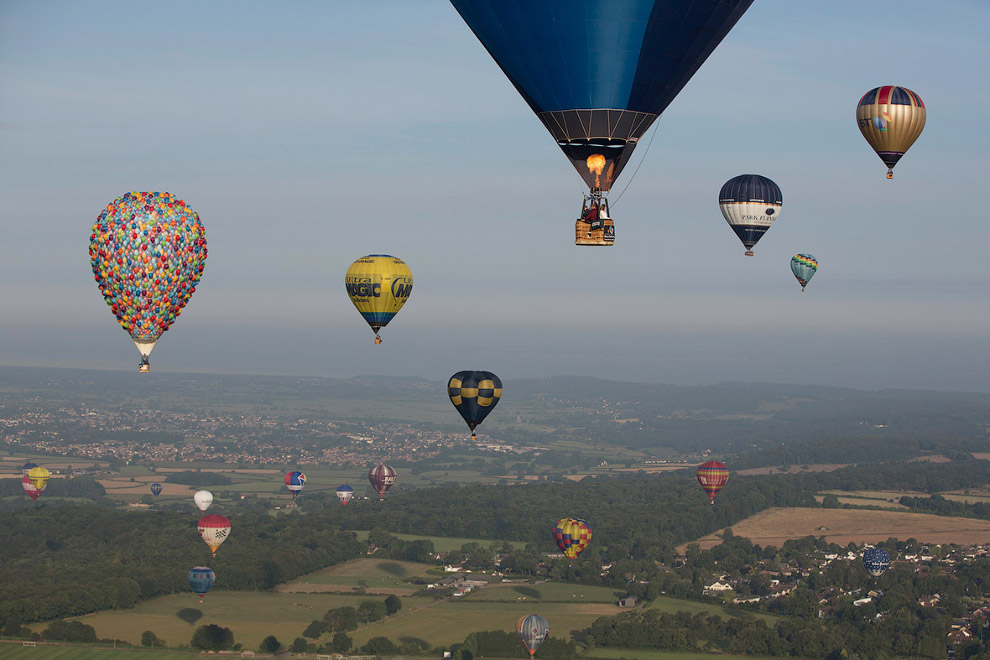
{"type": "Point", "coordinates": [307, 134]}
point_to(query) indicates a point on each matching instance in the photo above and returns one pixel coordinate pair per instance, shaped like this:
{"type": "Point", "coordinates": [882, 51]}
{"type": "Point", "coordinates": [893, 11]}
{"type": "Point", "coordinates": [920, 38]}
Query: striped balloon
{"type": "Point", "coordinates": [572, 536]}
{"type": "Point", "coordinates": [890, 118]}
{"type": "Point", "coordinates": [532, 629]}
{"type": "Point", "coordinates": [712, 476]}
{"type": "Point", "coordinates": [804, 267]}
{"type": "Point", "coordinates": [474, 394]}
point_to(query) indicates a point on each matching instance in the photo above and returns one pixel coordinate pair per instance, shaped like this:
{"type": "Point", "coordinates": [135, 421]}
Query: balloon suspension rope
{"type": "Point", "coordinates": [636, 171]}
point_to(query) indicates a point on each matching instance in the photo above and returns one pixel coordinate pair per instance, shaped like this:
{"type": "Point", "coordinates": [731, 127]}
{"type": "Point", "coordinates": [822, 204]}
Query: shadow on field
{"type": "Point", "coordinates": [528, 592]}
{"type": "Point", "coordinates": [189, 614]}
{"type": "Point", "coordinates": [392, 568]}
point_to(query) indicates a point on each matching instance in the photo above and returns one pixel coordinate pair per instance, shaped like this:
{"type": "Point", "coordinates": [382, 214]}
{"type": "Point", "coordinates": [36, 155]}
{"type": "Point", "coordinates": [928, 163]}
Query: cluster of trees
{"type": "Point", "coordinates": [70, 560]}
{"type": "Point", "coordinates": [212, 637]}
{"type": "Point", "coordinates": [501, 644]}
{"type": "Point", "coordinates": [943, 507]}
{"type": "Point", "coordinates": [342, 620]}
{"type": "Point", "coordinates": [81, 487]}
{"type": "Point", "coordinates": [197, 478]}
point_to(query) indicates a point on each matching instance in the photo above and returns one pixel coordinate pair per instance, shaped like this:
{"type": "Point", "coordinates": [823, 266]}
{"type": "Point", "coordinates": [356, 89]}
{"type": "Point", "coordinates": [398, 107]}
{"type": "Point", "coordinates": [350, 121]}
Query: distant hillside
{"type": "Point", "coordinates": [764, 424]}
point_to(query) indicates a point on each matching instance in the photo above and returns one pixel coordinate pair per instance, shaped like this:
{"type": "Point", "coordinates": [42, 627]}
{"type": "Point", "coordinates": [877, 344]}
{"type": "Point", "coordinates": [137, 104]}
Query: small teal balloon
{"type": "Point", "coordinates": [804, 267]}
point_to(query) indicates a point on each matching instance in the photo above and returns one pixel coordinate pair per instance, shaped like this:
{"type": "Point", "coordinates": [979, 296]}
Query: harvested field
{"type": "Point", "coordinates": [842, 526]}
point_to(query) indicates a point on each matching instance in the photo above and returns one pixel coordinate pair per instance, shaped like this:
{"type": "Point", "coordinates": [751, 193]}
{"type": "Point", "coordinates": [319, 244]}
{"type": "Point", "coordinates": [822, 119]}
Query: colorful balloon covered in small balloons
{"type": "Point", "coordinates": [147, 251]}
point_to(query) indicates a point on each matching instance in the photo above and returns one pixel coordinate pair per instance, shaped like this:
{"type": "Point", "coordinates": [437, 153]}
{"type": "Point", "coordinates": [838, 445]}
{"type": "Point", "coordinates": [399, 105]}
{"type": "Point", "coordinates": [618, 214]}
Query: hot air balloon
{"type": "Point", "coordinates": [532, 629]}
{"type": "Point", "coordinates": [295, 481]}
{"type": "Point", "coordinates": [345, 493]}
{"type": "Point", "coordinates": [214, 530]}
{"type": "Point", "coordinates": [598, 73]}
{"type": "Point", "coordinates": [381, 477]}
{"type": "Point", "coordinates": [876, 561]}
{"type": "Point", "coordinates": [27, 468]}
{"type": "Point", "coordinates": [39, 477]}
{"type": "Point", "coordinates": [201, 578]}
{"type": "Point", "coordinates": [203, 499]}
{"type": "Point", "coordinates": [572, 536]}
{"type": "Point", "coordinates": [33, 491]}
{"type": "Point", "coordinates": [147, 251]}
{"type": "Point", "coordinates": [890, 118]}
{"type": "Point", "coordinates": [804, 267]}
{"type": "Point", "coordinates": [474, 394]}
{"type": "Point", "coordinates": [378, 285]}
{"type": "Point", "coordinates": [156, 489]}
{"type": "Point", "coordinates": [750, 203]}
{"type": "Point", "coordinates": [712, 476]}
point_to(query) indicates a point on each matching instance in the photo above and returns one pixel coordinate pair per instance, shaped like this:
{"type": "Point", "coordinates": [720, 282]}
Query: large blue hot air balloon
{"type": "Point", "coordinates": [876, 561]}
{"type": "Point", "coordinates": [598, 73]}
{"type": "Point", "coordinates": [156, 489]}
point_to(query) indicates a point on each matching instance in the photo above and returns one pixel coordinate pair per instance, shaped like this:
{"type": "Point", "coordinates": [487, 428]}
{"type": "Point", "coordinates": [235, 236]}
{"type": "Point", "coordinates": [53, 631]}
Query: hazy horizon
{"type": "Point", "coordinates": [307, 135]}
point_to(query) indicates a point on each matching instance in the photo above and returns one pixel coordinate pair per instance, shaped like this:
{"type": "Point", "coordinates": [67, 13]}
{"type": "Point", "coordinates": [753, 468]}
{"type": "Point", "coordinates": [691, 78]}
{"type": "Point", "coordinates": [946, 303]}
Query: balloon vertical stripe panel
{"type": "Point", "coordinates": [891, 118]}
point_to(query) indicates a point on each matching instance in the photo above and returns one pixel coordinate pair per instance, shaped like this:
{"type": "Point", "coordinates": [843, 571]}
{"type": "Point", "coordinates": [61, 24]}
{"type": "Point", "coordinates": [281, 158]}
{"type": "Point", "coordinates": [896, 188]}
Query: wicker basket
{"type": "Point", "coordinates": [585, 235]}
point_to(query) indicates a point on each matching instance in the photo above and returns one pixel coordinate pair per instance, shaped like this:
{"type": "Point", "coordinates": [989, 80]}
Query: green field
{"type": "Point", "coordinates": [42, 651]}
{"type": "Point", "coordinates": [251, 616]}
{"type": "Point", "coordinates": [450, 621]}
{"type": "Point", "coordinates": [668, 604]}
{"type": "Point", "coordinates": [547, 592]}
{"type": "Point", "coordinates": [443, 543]}
{"type": "Point", "coordinates": [375, 574]}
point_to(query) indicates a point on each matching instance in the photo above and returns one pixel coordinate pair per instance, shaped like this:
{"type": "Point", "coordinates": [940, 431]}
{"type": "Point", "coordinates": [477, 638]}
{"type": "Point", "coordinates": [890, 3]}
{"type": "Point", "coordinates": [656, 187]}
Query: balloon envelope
{"type": "Point", "coordinates": [32, 491]}
{"type": "Point", "coordinates": [712, 476]}
{"type": "Point", "coordinates": [201, 578]}
{"type": "Point", "coordinates": [474, 394]}
{"type": "Point", "coordinates": [39, 477]}
{"type": "Point", "coordinates": [598, 73]}
{"type": "Point", "coordinates": [532, 629]}
{"type": "Point", "coordinates": [203, 499]}
{"type": "Point", "coordinates": [750, 203]}
{"type": "Point", "coordinates": [27, 468]}
{"type": "Point", "coordinates": [876, 561]}
{"type": "Point", "coordinates": [147, 251]}
{"type": "Point", "coordinates": [156, 489]}
{"type": "Point", "coordinates": [345, 493]}
{"type": "Point", "coordinates": [378, 286]}
{"type": "Point", "coordinates": [891, 118]}
{"type": "Point", "coordinates": [804, 267]}
{"type": "Point", "coordinates": [382, 477]}
{"type": "Point", "coordinates": [295, 481]}
{"type": "Point", "coordinates": [572, 536]}
{"type": "Point", "coordinates": [214, 530]}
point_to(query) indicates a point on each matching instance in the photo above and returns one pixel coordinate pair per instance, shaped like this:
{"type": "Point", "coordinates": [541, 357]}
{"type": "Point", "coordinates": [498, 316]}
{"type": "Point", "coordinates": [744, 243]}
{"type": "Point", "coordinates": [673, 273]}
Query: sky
{"type": "Point", "coordinates": [308, 134]}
